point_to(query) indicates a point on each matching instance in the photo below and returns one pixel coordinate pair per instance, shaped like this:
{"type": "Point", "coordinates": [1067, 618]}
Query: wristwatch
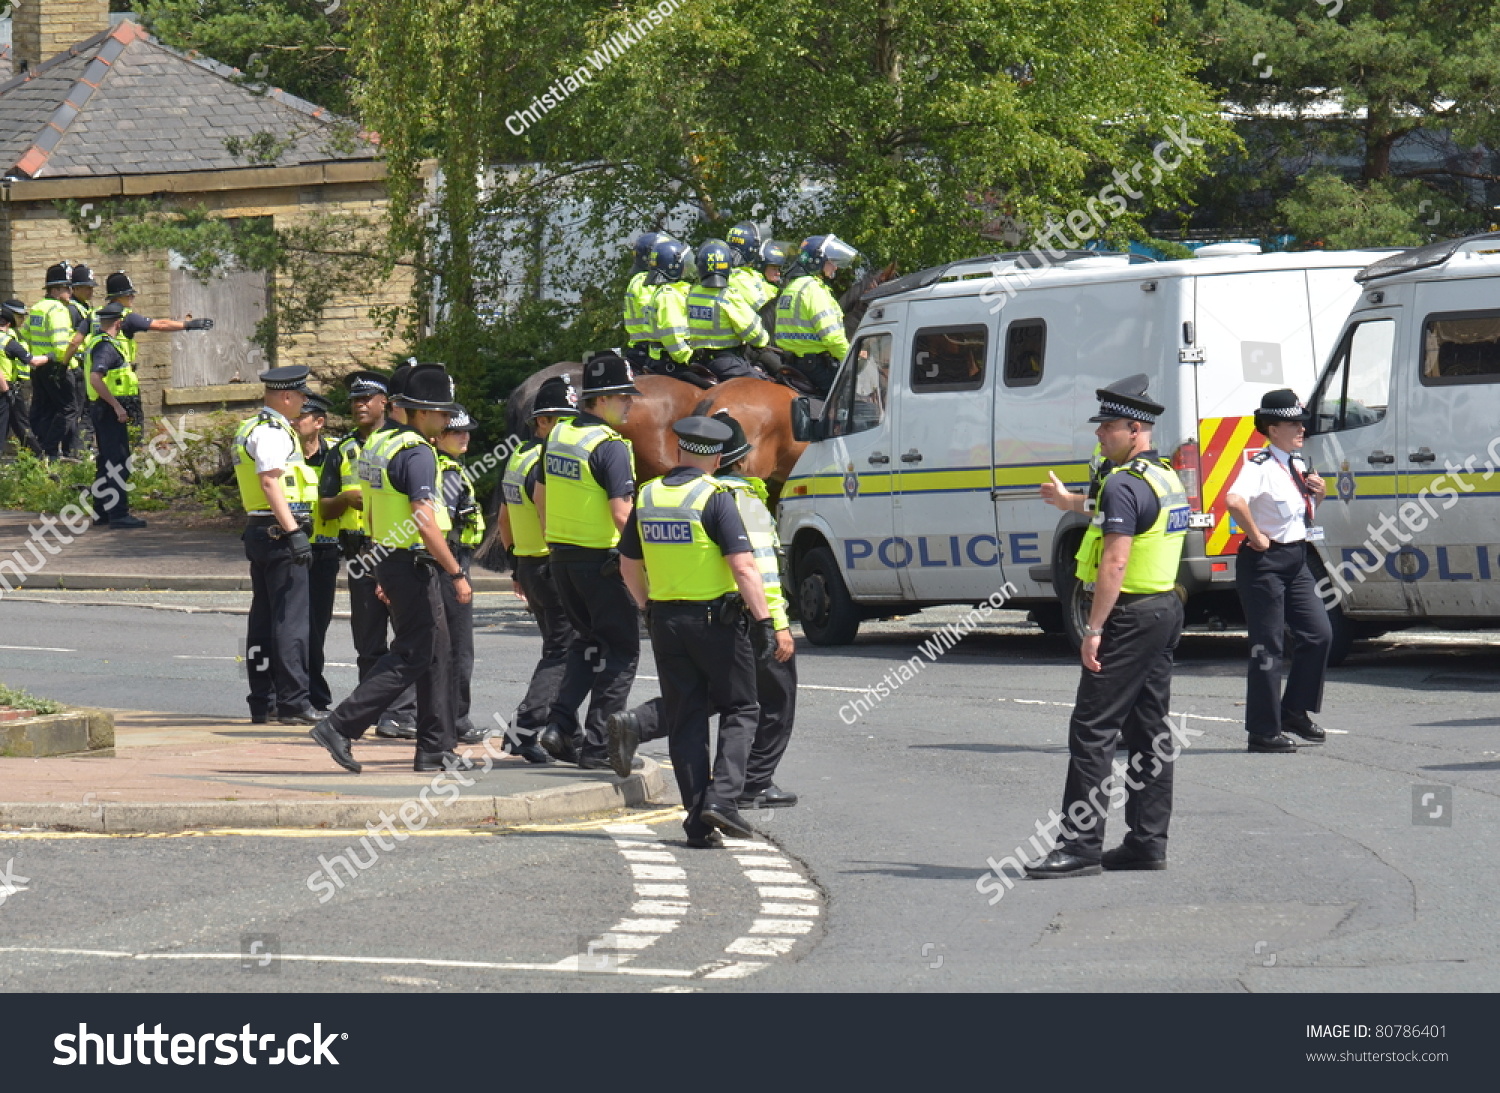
{"type": "Point", "coordinates": [1091, 633]}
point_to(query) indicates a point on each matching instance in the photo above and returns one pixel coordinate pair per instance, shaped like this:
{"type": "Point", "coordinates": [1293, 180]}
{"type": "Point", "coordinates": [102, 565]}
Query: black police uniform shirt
{"type": "Point", "coordinates": [105, 358]}
{"type": "Point", "coordinates": [609, 462]}
{"type": "Point", "coordinates": [721, 520]}
{"type": "Point", "coordinates": [1129, 505]}
{"type": "Point", "coordinates": [16, 351]}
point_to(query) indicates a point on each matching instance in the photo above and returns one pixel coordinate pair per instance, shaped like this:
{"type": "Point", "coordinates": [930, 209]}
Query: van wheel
{"type": "Point", "coordinates": [1074, 601]}
{"type": "Point", "coordinates": [1344, 633]}
{"type": "Point", "coordinates": [829, 616]}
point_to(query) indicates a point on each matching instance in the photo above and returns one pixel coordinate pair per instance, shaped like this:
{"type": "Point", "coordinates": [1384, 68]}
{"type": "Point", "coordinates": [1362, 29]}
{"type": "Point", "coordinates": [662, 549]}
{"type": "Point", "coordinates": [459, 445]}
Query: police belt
{"type": "Point", "coordinates": [707, 356]}
{"type": "Point", "coordinates": [567, 552]}
{"type": "Point", "coordinates": [265, 520]}
{"type": "Point", "coordinates": [418, 556]}
{"type": "Point", "coordinates": [727, 609]}
{"type": "Point", "coordinates": [1132, 597]}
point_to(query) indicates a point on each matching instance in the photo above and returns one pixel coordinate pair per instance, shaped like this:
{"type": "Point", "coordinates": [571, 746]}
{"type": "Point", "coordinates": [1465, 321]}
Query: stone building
{"type": "Point", "coordinates": [96, 111]}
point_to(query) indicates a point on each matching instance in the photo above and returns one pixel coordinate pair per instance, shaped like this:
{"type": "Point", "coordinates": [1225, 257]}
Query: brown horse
{"type": "Point", "coordinates": [764, 412]}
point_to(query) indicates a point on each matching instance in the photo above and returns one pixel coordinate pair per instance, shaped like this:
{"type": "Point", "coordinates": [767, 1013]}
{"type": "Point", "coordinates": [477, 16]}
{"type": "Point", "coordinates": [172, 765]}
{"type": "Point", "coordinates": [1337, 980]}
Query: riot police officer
{"type": "Point", "coordinates": [1130, 554]}
{"type": "Point", "coordinates": [744, 239]}
{"type": "Point", "coordinates": [114, 397]}
{"type": "Point", "coordinates": [809, 321]}
{"type": "Point", "coordinates": [584, 500]}
{"type": "Point", "coordinates": [466, 533]}
{"type": "Point", "coordinates": [267, 454]}
{"type": "Point", "coordinates": [638, 293]}
{"type": "Point", "coordinates": [666, 338]}
{"type": "Point", "coordinates": [723, 327]}
{"type": "Point", "coordinates": [521, 534]}
{"type": "Point", "coordinates": [708, 620]}
{"type": "Point", "coordinates": [408, 524]}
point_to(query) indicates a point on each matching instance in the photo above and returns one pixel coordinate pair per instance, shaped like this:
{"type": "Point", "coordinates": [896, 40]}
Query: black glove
{"type": "Point", "coordinates": [198, 324]}
{"type": "Point", "coordinates": [763, 639]}
{"type": "Point", "coordinates": [300, 547]}
{"type": "Point", "coordinates": [768, 359]}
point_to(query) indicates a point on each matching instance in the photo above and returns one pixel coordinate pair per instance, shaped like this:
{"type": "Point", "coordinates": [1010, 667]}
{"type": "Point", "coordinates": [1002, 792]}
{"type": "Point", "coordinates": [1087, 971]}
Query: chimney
{"type": "Point", "coordinates": [41, 29]}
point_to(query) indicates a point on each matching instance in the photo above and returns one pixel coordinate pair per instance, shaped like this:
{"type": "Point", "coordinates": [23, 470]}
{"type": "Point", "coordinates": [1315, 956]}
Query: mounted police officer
{"type": "Point", "coordinates": [521, 534]}
{"type": "Point", "coordinates": [771, 261]}
{"type": "Point", "coordinates": [709, 622]}
{"type": "Point", "coordinates": [723, 327]}
{"type": "Point", "coordinates": [809, 321]}
{"type": "Point", "coordinates": [1130, 554]}
{"type": "Point", "coordinates": [114, 397]}
{"type": "Point", "coordinates": [267, 467]}
{"type": "Point", "coordinates": [638, 293]}
{"type": "Point", "coordinates": [744, 239]}
{"type": "Point", "coordinates": [465, 534]}
{"type": "Point", "coordinates": [666, 337]}
{"type": "Point", "coordinates": [409, 525]}
{"type": "Point", "coordinates": [584, 500]}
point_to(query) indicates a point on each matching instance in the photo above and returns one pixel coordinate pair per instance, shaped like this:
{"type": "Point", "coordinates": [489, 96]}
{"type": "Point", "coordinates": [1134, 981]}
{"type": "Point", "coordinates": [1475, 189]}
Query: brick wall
{"type": "Point", "coordinates": [42, 28]}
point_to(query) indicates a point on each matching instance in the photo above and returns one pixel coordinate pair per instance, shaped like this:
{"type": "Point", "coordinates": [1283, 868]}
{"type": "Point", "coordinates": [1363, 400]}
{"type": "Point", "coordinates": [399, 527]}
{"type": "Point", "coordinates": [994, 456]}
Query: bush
{"type": "Point", "coordinates": [20, 700]}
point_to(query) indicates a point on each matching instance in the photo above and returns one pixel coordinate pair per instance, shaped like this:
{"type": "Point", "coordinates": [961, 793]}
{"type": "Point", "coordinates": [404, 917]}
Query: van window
{"type": "Point", "coordinates": [858, 399]}
{"type": "Point", "coordinates": [1461, 347]}
{"type": "Point", "coordinates": [1356, 388]}
{"type": "Point", "coordinates": [948, 359]}
{"type": "Point", "coordinates": [1025, 351]}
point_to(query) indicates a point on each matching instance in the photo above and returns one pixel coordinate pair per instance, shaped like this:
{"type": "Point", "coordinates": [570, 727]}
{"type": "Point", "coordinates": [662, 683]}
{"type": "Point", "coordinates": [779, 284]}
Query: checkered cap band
{"type": "Point", "coordinates": [701, 447]}
{"type": "Point", "coordinates": [364, 386]}
{"type": "Point", "coordinates": [1134, 413]}
{"type": "Point", "coordinates": [1283, 411]}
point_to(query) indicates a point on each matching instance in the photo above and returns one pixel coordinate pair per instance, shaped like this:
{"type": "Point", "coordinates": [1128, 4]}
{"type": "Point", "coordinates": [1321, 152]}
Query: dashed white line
{"type": "Point", "coordinates": [40, 649]}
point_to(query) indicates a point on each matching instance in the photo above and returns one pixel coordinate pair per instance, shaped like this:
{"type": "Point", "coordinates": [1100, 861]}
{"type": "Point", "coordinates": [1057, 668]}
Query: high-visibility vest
{"type": "Point", "coordinates": [720, 318]}
{"type": "Point", "coordinates": [120, 380]}
{"type": "Point", "coordinates": [11, 368]}
{"type": "Point", "coordinates": [667, 320]}
{"type": "Point", "coordinates": [388, 509]}
{"type": "Point", "coordinates": [49, 329]}
{"type": "Point", "coordinates": [525, 524]}
{"type": "Point", "coordinates": [578, 512]}
{"type": "Point", "coordinates": [293, 485]}
{"type": "Point", "coordinates": [472, 532]}
{"type": "Point", "coordinates": [753, 287]}
{"type": "Point", "coordinates": [324, 530]}
{"type": "Point", "coordinates": [809, 320]}
{"type": "Point", "coordinates": [750, 497]}
{"type": "Point", "coordinates": [346, 451]}
{"type": "Point", "coordinates": [1154, 554]}
{"type": "Point", "coordinates": [682, 562]}
{"type": "Point", "coordinates": [638, 296]}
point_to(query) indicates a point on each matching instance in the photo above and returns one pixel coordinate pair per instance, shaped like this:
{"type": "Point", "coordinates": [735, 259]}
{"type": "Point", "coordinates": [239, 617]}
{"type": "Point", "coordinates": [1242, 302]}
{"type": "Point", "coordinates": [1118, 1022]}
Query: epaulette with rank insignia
{"type": "Point", "coordinates": [1261, 456]}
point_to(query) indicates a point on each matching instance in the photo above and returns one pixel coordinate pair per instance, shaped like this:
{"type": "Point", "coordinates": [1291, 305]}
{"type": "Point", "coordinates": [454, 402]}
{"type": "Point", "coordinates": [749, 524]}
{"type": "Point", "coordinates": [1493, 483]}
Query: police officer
{"type": "Point", "coordinates": [118, 288]}
{"type": "Point", "coordinates": [323, 573]}
{"type": "Point", "coordinates": [745, 241]}
{"type": "Point", "coordinates": [409, 526]}
{"type": "Point", "coordinates": [465, 534]}
{"type": "Point", "coordinates": [666, 314]}
{"type": "Point", "coordinates": [340, 490]}
{"type": "Point", "coordinates": [267, 458]}
{"type": "Point", "coordinates": [809, 321]}
{"type": "Point", "coordinates": [1130, 554]}
{"type": "Point", "coordinates": [584, 501]}
{"type": "Point", "coordinates": [521, 534]}
{"type": "Point", "coordinates": [1273, 500]}
{"type": "Point", "coordinates": [772, 259]}
{"type": "Point", "coordinates": [80, 306]}
{"type": "Point", "coordinates": [16, 363]}
{"type": "Point", "coordinates": [49, 334]}
{"type": "Point", "coordinates": [638, 293]}
{"type": "Point", "coordinates": [723, 327]}
{"type": "Point", "coordinates": [686, 538]}
{"type": "Point", "coordinates": [114, 401]}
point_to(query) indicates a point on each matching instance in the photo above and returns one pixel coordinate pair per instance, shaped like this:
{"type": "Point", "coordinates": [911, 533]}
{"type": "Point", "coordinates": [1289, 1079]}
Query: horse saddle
{"type": "Point", "coordinates": [798, 382]}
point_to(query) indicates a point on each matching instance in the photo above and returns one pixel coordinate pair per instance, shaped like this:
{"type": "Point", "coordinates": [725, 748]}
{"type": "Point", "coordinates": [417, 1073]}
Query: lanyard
{"type": "Point", "coordinates": [1301, 488]}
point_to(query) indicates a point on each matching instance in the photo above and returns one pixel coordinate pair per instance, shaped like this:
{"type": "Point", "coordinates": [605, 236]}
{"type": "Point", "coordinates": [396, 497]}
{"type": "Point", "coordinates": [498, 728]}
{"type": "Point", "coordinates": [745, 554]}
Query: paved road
{"type": "Point", "coordinates": [1289, 873]}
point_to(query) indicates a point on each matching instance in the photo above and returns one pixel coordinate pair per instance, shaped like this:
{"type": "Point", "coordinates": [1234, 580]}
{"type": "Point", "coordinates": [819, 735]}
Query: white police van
{"type": "Point", "coordinates": [1406, 429]}
{"type": "Point", "coordinates": [967, 383]}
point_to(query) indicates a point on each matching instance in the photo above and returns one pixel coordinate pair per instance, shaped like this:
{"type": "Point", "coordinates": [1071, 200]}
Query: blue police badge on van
{"type": "Point", "coordinates": [563, 466]}
{"type": "Point", "coordinates": [666, 531]}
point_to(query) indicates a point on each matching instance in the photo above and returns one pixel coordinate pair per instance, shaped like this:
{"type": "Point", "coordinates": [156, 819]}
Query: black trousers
{"type": "Point", "coordinates": [276, 633]}
{"type": "Point", "coordinates": [1126, 702]}
{"type": "Point", "coordinates": [728, 364]}
{"type": "Point", "coordinates": [113, 437]}
{"type": "Point", "coordinates": [819, 368]}
{"type": "Point", "coordinates": [606, 642]}
{"type": "Point", "coordinates": [80, 422]}
{"type": "Point", "coordinates": [53, 406]}
{"type": "Point", "coordinates": [322, 586]}
{"type": "Point", "coordinates": [460, 618]}
{"type": "Point", "coordinates": [776, 697]}
{"type": "Point", "coordinates": [1279, 593]}
{"type": "Point", "coordinates": [368, 619]}
{"type": "Point", "coordinates": [705, 667]}
{"type": "Point", "coordinates": [534, 575]}
{"type": "Point", "coordinates": [418, 655]}
{"type": "Point", "coordinates": [18, 416]}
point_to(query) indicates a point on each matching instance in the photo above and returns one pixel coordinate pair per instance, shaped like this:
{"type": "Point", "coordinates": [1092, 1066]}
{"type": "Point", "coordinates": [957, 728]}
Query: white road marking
{"type": "Point", "coordinates": [41, 649]}
{"type": "Point", "coordinates": [772, 876]}
{"type": "Point", "coordinates": [648, 855]}
{"type": "Point", "coordinates": [761, 946]}
{"type": "Point", "coordinates": [654, 890]}
{"type": "Point", "coordinates": [781, 926]}
{"type": "Point", "coordinates": [789, 909]}
{"type": "Point", "coordinates": [738, 970]}
{"type": "Point", "coordinates": [658, 872]}
{"type": "Point", "coordinates": [788, 893]}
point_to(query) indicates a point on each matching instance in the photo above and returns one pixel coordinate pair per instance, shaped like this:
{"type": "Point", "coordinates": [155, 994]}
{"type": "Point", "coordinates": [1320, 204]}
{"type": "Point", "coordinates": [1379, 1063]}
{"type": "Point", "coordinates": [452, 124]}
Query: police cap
{"type": "Point", "coordinates": [702, 435]}
{"type": "Point", "coordinates": [555, 398]}
{"type": "Point", "coordinates": [110, 312]}
{"type": "Point", "coordinates": [58, 275]}
{"type": "Point", "coordinates": [15, 309]}
{"type": "Point", "coordinates": [1280, 405]}
{"type": "Point", "coordinates": [607, 373]}
{"type": "Point", "coordinates": [82, 275]}
{"type": "Point", "coordinates": [289, 377]}
{"type": "Point", "coordinates": [363, 383]}
{"type": "Point", "coordinates": [459, 421]}
{"type": "Point", "coordinates": [737, 446]}
{"type": "Point", "coordinates": [1127, 399]}
{"type": "Point", "coordinates": [315, 404]}
{"type": "Point", "coordinates": [427, 387]}
{"type": "Point", "coordinates": [119, 284]}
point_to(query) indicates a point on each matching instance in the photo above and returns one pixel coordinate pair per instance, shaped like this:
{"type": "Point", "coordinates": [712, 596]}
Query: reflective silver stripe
{"type": "Point", "coordinates": [650, 510]}
{"type": "Point", "coordinates": [1166, 490]}
{"type": "Point", "coordinates": [580, 450]}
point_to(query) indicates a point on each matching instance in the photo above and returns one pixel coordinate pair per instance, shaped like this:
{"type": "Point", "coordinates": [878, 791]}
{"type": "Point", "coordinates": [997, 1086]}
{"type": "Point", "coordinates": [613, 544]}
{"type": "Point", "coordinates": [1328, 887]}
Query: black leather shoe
{"type": "Point", "coordinates": [624, 732]}
{"type": "Point", "coordinates": [305, 716]}
{"type": "Point", "coordinates": [557, 745]}
{"type": "Point", "coordinates": [771, 797]}
{"type": "Point", "coordinates": [127, 522]}
{"type": "Point", "coordinates": [396, 728]}
{"type": "Point", "coordinates": [1062, 863]}
{"type": "Point", "coordinates": [594, 762]}
{"type": "Point", "coordinates": [533, 753]}
{"type": "Point", "coordinates": [475, 735]}
{"type": "Point", "coordinates": [263, 718]}
{"type": "Point", "coordinates": [728, 821]}
{"type": "Point", "coordinates": [712, 841]}
{"type": "Point", "coordinates": [337, 745]}
{"type": "Point", "coordinates": [429, 761]}
{"type": "Point", "coordinates": [1126, 857]}
{"type": "Point", "coordinates": [1281, 742]}
{"type": "Point", "coordinates": [1297, 723]}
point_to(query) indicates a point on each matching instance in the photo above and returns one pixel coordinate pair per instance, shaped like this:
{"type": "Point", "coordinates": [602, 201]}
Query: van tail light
{"type": "Point", "coordinates": [1185, 463]}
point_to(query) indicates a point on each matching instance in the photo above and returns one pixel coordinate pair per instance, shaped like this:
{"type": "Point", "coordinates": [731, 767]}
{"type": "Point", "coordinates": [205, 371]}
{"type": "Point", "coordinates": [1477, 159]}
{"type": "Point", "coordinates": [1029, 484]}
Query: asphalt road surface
{"type": "Point", "coordinates": [1366, 864]}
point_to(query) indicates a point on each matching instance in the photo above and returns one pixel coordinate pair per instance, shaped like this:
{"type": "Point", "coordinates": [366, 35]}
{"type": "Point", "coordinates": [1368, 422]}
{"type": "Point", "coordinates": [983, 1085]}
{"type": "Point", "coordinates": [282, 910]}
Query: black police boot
{"type": "Point", "coordinates": [557, 745]}
{"type": "Point", "coordinates": [624, 730]}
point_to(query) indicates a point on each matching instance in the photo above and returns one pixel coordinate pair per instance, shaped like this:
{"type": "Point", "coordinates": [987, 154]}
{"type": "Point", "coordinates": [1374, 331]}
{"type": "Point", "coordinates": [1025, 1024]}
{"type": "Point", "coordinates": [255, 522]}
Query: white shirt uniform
{"type": "Point", "coordinates": [270, 448]}
{"type": "Point", "coordinates": [1278, 507]}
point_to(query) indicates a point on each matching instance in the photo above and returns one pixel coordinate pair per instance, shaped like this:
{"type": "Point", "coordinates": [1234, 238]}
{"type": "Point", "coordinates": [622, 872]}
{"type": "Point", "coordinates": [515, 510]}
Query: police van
{"type": "Point", "coordinates": [1406, 430]}
{"type": "Point", "coordinates": [967, 383]}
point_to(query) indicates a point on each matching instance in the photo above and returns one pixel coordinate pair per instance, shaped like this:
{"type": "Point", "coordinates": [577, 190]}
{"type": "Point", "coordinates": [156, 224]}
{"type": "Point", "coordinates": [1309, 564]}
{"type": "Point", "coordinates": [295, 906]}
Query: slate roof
{"type": "Point", "coordinates": [121, 103]}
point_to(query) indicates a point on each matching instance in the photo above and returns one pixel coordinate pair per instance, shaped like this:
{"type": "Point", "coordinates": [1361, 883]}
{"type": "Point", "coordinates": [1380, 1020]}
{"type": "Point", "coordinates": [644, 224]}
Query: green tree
{"type": "Point", "coordinates": [1364, 122]}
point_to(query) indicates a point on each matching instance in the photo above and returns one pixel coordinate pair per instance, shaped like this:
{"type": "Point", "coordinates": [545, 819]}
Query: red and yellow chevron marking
{"type": "Point", "coordinates": [1221, 445]}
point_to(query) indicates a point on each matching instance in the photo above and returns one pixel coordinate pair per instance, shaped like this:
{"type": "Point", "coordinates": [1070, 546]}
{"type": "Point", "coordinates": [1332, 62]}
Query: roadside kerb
{"type": "Point", "coordinates": [85, 582]}
{"type": "Point", "coordinates": [128, 817]}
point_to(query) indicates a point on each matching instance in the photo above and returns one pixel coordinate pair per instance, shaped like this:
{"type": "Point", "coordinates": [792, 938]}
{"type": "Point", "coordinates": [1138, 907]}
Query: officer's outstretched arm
{"type": "Point", "coordinates": [747, 578]}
